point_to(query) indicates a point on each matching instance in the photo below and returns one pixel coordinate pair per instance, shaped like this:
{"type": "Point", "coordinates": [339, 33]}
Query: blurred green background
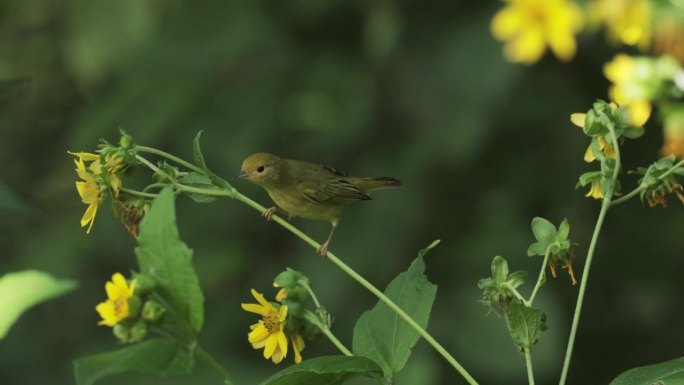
{"type": "Point", "coordinates": [414, 90]}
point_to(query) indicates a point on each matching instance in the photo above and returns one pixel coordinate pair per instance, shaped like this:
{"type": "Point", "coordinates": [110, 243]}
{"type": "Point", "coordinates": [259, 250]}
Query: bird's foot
{"type": "Point", "coordinates": [268, 214]}
{"type": "Point", "coordinates": [323, 249]}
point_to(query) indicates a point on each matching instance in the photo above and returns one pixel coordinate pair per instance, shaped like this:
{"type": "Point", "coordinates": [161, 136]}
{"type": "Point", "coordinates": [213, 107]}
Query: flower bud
{"type": "Point", "coordinates": [152, 311]}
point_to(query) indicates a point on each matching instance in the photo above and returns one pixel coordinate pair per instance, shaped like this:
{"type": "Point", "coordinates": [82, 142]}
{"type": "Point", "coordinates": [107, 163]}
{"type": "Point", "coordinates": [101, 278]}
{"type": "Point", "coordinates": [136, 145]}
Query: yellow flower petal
{"type": "Point", "coordinates": [639, 112]}
{"type": "Point", "coordinates": [277, 356]}
{"type": "Point", "coordinates": [282, 343]}
{"type": "Point", "coordinates": [282, 294]}
{"type": "Point", "coordinates": [589, 155]}
{"type": "Point", "coordinates": [87, 156]}
{"type": "Point", "coordinates": [527, 48]}
{"type": "Point", "coordinates": [506, 23]}
{"type": "Point", "coordinates": [271, 345]}
{"type": "Point", "coordinates": [283, 313]}
{"type": "Point", "coordinates": [260, 333]}
{"type": "Point", "coordinates": [578, 119]}
{"type": "Point", "coordinates": [254, 308]}
{"type": "Point", "coordinates": [260, 298]}
{"type": "Point", "coordinates": [297, 346]}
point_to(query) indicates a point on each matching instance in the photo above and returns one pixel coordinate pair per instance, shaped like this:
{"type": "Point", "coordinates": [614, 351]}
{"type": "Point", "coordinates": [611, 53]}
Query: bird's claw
{"type": "Point", "coordinates": [268, 214]}
{"type": "Point", "coordinates": [323, 249]}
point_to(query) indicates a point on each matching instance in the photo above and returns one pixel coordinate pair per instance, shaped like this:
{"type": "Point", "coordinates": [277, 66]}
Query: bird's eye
{"type": "Point", "coordinates": [260, 169]}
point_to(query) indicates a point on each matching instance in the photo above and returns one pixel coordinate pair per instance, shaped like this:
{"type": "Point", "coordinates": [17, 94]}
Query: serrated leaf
{"type": "Point", "coordinates": [160, 356]}
{"type": "Point", "coordinates": [537, 248]}
{"type": "Point", "coordinates": [666, 373]}
{"type": "Point", "coordinates": [21, 290]}
{"type": "Point", "coordinates": [381, 335]}
{"type": "Point", "coordinates": [525, 325]}
{"type": "Point", "coordinates": [499, 269]}
{"type": "Point", "coordinates": [168, 261]}
{"type": "Point", "coordinates": [197, 152]}
{"type": "Point", "coordinates": [543, 230]}
{"type": "Point", "coordinates": [329, 370]}
{"type": "Point", "coordinates": [198, 180]}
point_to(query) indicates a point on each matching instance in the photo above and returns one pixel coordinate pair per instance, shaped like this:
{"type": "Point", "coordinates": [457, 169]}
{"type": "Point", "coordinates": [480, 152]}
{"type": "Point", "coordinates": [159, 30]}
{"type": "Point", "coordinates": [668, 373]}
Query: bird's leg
{"type": "Point", "coordinates": [323, 250]}
{"type": "Point", "coordinates": [268, 214]}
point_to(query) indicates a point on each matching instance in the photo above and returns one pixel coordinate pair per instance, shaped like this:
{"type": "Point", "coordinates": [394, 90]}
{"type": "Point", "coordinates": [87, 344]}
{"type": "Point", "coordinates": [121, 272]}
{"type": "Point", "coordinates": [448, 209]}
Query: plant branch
{"type": "Point", "coordinates": [642, 187]}
{"type": "Point", "coordinates": [542, 276]}
{"type": "Point", "coordinates": [528, 362]}
{"type": "Point", "coordinates": [605, 205]}
{"type": "Point", "coordinates": [313, 319]}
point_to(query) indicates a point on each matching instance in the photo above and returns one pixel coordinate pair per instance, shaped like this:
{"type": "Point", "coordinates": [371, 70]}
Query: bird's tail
{"type": "Point", "coordinates": [368, 185]}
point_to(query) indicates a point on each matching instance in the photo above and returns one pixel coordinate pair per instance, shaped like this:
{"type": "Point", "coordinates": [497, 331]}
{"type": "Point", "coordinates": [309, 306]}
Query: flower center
{"type": "Point", "coordinates": [119, 306]}
{"type": "Point", "coordinates": [271, 322]}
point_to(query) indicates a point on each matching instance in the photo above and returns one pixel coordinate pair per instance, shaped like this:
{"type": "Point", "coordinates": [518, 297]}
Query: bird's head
{"type": "Point", "coordinates": [261, 168]}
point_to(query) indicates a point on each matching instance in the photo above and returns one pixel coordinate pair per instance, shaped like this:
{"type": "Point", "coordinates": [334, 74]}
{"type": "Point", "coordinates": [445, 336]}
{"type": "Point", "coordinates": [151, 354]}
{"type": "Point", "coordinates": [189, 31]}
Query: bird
{"type": "Point", "coordinates": [309, 190]}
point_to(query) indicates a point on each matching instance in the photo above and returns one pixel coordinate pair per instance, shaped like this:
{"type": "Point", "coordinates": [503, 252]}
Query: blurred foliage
{"type": "Point", "coordinates": [415, 90]}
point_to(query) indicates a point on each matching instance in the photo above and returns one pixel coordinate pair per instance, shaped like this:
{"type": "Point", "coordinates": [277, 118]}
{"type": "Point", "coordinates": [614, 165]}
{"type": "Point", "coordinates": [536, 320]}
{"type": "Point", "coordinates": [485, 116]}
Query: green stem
{"type": "Point", "coordinates": [349, 271]}
{"type": "Point", "coordinates": [311, 292]}
{"type": "Point", "coordinates": [313, 319]}
{"type": "Point", "coordinates": [528, 361]}
{"type": "Point", "coordinates": [171, 157]}
{"type": "Point", "coordinates": [605, 205]}
{"type": "Point", "coordinates": [516, 293]}
{"type": "Point", "coordinates": [209, 360]}
{"type": "Point", "coordinates": [138, 193]}
{"type": "Point", "coordinates": [540, 279]}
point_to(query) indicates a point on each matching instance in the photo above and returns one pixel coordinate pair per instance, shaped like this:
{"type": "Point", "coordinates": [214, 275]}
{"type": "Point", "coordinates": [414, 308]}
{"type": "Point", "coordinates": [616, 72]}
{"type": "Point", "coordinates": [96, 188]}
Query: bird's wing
{"type": "Point", "coordinates": [330, 187]}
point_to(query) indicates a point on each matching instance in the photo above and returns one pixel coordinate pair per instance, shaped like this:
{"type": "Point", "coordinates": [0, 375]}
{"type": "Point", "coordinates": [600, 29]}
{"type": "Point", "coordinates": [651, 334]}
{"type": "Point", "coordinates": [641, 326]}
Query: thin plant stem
{"type": "Point", "coordinates": [171, 157]}
{"type": "Point", "coordinates": [313, 319]}
{"type": "Point", "coordinates": [311, 293]}
{"type": "Point", "coordinates": [542, 275]}
{"type": "Point", "coordinates": [137, 193]}
{"type": "Point", "coordinates": [528, 362]}
{"type": "Point", "coordinates": [605, 205]}
{"type": "Point", "coordinates": [209, 360]}
{"type": "Point", "coordinates": [331, 257]}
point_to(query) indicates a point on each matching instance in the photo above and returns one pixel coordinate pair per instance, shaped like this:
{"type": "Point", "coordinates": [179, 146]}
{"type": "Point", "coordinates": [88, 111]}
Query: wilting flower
{"type": "Point", "coordinates": [628, 21]}
{"type": "Point", "coordinates": [528, 26]}
{"type": "Point", "coordinates": [116, 307]}
{"type": "Point", "coordinates": [595, 191]}
{"type": "Point", "coordinates": [269, 332]}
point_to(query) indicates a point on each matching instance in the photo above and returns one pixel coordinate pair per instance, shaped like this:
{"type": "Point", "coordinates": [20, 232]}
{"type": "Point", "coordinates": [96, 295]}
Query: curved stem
{"type": "Point", "coordinates": [605, 205]}
{"type": "Point", "coordinates": [331, 257]}
{"type": "Point", "coordinates": [209, 360]}
{"type": "Point", "coordinates": [528, 362]}
{"type": "Point", "coordinates": [311, 292]}
{"type": "Point", "coordinates": [542, 275]}
{"type": "Point", "coordinates": [328, 333]}
{"type": "Point", "coordinates": [137, 193]}
{"type": "Point", "coordinates": [151, 150]}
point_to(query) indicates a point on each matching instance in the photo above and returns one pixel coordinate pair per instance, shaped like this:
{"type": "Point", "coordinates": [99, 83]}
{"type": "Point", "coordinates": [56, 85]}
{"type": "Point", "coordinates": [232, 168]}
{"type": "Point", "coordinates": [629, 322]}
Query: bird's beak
{"type": "Point", "coordinates": [241, 174]}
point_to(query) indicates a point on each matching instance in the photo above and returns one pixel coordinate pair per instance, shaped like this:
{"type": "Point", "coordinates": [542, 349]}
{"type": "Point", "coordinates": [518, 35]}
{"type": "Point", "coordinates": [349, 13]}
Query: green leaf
{"type": "Point", "coordinates": [329, 370]}
{"type": "Point", "coordinates": [516, 278]}
{"type": "Point", "coordinates": [665, 373]}
{"type": "Point", "coordinates": [22, 290]}
{"type": "Point", "coordinates": [168, 261]}
{"type": "Point", "coordinates": [543, 230]}
{"type": "Point", "coordinates": [525, 325]}
{"type": "Point", "coordinates": [197, 152]}
{"type": "Point", "coordinates": [499, 269]}
{"type": "Point", "coordinates": [161, 356]}
{"type": "Point", "coordinates": [563, 230]}
{"type": "Point", "coordinates": [537, 248]}
{"type": "Point", "coordinates": [381, 335]}
{"type": "Point", "coordinates": [424, 251]}
{"type": "Point", "coordinates": [194, 179]}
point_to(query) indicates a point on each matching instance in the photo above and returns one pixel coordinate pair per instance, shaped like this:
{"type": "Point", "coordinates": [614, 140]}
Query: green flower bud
{"type": "Point", "coordinates": [138, 331]}
{"type": "Point", "coordinates": [133, 306]}
{"type": "Point", "coordinates": [122, 333]}
{"type": "Point", "coordinates": [126, 140]}
{"type": "Point", "coordinates": [289, 279]}
{"type": "Point", "coordinates": [143, 283]}
{"type": "Point", "coordinates": [152, 311]}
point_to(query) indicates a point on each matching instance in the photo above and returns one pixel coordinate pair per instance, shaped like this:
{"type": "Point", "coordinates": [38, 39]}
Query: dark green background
{"type": "Point", "coordinates": [414, 90]}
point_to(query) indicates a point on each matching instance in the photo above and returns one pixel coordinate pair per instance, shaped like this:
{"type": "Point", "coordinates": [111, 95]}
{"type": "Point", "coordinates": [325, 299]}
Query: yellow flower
{"type": "Point", "coordinates": [269, 332]}
{"type": "Point", "coordinates": [88, 189]}
{"type": "Point", "coordinates": [608, 149]}
{"type": "Point", "coordinates": [91, 185]}
{"type": "Point", "coordinates": [116, 308]}
{"type": "Point", "coordinates": [674, 134]}
{"type": "Point", "coordinates": [628, 21]}
{"type": "Point", "coordinates": [529, 26]}
{"type": "Point", "coordinates": [297, 346]}
{"type": "Point", "coordinates": [627, 89]}
{"type": "Point", "coordinates": [595, 190]}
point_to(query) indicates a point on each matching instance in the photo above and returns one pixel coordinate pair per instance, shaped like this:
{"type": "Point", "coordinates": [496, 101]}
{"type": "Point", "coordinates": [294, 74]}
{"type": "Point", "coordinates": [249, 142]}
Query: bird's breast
{"type": "Point", "coordinates": [296, 205]}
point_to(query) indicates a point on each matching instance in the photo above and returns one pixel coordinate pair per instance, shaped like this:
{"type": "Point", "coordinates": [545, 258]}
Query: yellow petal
{"type": "Point", "coordinates": [283, 313]}
{"type": "Point", "coordinates": [589, 155]}
{"type": "Point", "coordinates": [89, 217]}
{"type": "Point", "coordinates": [563, 45]}
{"type": "Point", "coordinates": [297, 346]}
{"type": "Point", "coordinates": [527, 48]}
{"type": "Point", "coordinates": [254, 308]}
{"type": "Point", "coordinates": [277, 356]}
{"type": "Point", "coordinates": [107, 312]}
{"type": "Point", "coordinates": [639, 112]}
{"type": "Point", "coordinates": [506, 23]}
{"type": "Point", "coordinates": [282, 342]}
{"type": "Point", "coordinates": [271, 345]}
{"type": "Point", "coordinates": [282, 294]}
{"type": "Point", "coordinates": [620, 69]}
{"type": "Point", "coordinates": [260, 298]}
{"type": "Point", "coordinates": [260, 333]}
{"type": "Point", "coordinates": [87, 156]}
{"type": "Point", "coordinates": [578, 119]}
